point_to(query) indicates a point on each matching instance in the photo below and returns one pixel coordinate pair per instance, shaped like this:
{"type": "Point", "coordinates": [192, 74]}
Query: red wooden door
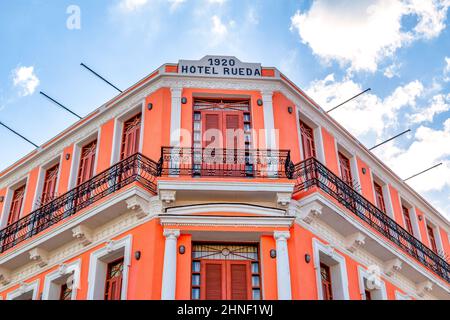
{"type": "Point", "coordinates": [233, 130]}
{"type": "Point", "coordinates": [87, 161]}
{"type": "Point", "coordinates": [213, 280]}
{"type": "Point", "coordinates": [212, 129]}
{"type": "Point", "coordinates": [16, 205]}
{"type": "Point", "coordinates": [239, 286]}
{"type": "Point", "coordinates": [346, 174]}
{"type": "Point", "coordinates": [432, 238]}
{"type": "Point", "coordinates": [49, 188]}
{"type": "Point", "coordinates": [130, 137]}
{"type": "Point", "coordinates": [307, 134]}
{"type": "Point", "coordinates": [225, 280]}
{"type": "Point", "coordinates": [114, 275]}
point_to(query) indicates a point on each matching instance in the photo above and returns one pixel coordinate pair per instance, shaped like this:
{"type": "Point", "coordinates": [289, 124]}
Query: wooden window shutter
{"type": "Point", "coordinates": [346, 173]}
{"type": "Point", "coordinates": [407, 220]}
{"type": "Point", "coordinates": [233, 122]}
{"type": "Point", "coordinates": [87, 160]}
{"type": "Point", "coordinates": [131, 137]}
{"type": "Point", "coordinates": [113, 286]}
{"type": "Point", "coordinates": [214, 281]}
{"type": "Point", "coordinates": [379, 197]}
{"type": "Point", "coordinates": [49, 189]}
{"type": "Point", "coordinates": [432, 238]}
{"type": "Point", "coordinates": [16, 205]}
{"type": "Point", "coordinates": [309, 148]}
{"type": "Point", "coordinates": [211, 121]}
{"type": "Point", "coordinates": [239, 281]}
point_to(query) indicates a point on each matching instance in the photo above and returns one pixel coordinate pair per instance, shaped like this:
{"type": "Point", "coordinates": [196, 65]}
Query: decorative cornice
{"type": "Point", "coordinates": [355, 241]}
{"type": "Point", "coordinates": [40, 256]}
{"type": "Point", "coordinates": [82, 234]}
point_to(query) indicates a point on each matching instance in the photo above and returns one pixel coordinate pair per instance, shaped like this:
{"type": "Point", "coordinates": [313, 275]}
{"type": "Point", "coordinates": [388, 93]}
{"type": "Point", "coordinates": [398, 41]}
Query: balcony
{"type": "Point", "coordinates": [311, 174]}
{"type": "Point", "coordinates": [233, 163]}
{"type": "Point", "coordinates": [136, 168]}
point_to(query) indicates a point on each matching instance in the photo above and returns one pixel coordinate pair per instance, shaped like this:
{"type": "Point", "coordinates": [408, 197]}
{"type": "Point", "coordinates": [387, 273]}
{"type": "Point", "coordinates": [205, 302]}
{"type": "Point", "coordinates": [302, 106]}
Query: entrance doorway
{"type": "Point", "coordinates": [225, 272]}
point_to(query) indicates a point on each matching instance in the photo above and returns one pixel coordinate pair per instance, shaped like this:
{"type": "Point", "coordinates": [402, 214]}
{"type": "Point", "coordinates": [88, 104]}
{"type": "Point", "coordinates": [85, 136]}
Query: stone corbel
{"type": "Point", "coordinates": [392, 266]}
{"type": "Point", "coordinates": [62, 269]}
{"type": "Point", "coordinates": [83, 234]}
{"type": "Point", "coordinates": [310, 212]}
{"type": "Point", "coordinates": [167, 196]}
{"type": "Point", "coordinates": [139, 205]}
{"type": "Point", "coordinates": [284, 198]}
{"type": "Point", "coordinates": [293, 208]}
{"type": "Point", "coordinates": [40, 256]}
{"type": "Point", "coordinates": [110, 246]}
{"type": "Point", "coordinates": [5, 276]}
{"type": "Point", "coordinates": [354, 241]}
{"type": "Point", "coordinates": [23, 288]}
{"type": "Point", "coordinates": [424, 288]}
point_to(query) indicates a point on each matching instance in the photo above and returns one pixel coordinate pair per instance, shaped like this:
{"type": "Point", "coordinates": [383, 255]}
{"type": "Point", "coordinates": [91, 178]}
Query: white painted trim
{"type": "Point", "coordinates": [269, 122]}
{"type": "Point", "coordinates": [8, 200]}
{"type": "Point", "coordinates": [97, 268]}
{"type": "Point", "coordinates": [27, 287]}
{"type": "Point", "coordinates": [436, 232]}
{"type": "Point", "coordinates": [299, 133]}
{"type": "Point", "coordinates": [41, 179]}
{"type": "Point", "coordinates": [52, 290]}
{"type": "Point", "coordinates": [401, 296]}
{"type": "Point", "coordinates": [190, 220]}
{"type": "Point", "coordinates": [225, 186]}
{"type": "Point", "coordinates": [319, 145]}
{"type": "Point", "coordinates": [226, 207]}
{"type": "Point", "coordinates": [339, 280]}
{"type": "Point", "coordinates": [175, 116]}
{"type": "Point", "coordinates": [380, 294]}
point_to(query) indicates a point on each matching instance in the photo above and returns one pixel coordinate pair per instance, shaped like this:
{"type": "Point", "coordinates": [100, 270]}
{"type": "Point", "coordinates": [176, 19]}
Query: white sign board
{"type": "Point", "coordinates": [219, 66]}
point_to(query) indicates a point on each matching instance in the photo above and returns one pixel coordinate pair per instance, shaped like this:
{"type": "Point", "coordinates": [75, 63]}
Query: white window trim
{"type": "Point", "coordinates": [317, 132]}
{"type": "Point", "coordinates": [41, 179]}
{"type": "Point", "coordinates": [97, 268]}
{"type": "Point", "coordinates": [412, 216]}
{"type": "Point", "coordinates": [76, 157]}
{"type": "Point", "coordinates": [23, 289]}
{"type": "Point", "coordinates": [386, 194]}
{"type": "Point", "coordinates": [319, 247]}
{"type": "Point", "coordinates": [8, 200]}
{"type": "Point", "coordinates": [353, 164]}
{"type": "Point", "coordinates": [51, 289]}
{"type": "Point", "coordinates": [437, 235]}
{"type": "Point", "coordinates": [363, 275]}
{"type": "Point", "coordinates": [118, 129]}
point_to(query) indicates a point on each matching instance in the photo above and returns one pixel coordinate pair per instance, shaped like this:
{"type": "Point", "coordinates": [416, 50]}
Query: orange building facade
{"type": "Point", "coordinates": [215, 179]}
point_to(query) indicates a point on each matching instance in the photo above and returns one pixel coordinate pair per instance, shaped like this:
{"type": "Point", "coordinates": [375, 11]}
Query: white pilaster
{"type": "Point", "coordinates": [283, 271]}
{"type": "Point", "coordinates": [270, 133]}
{"type": "Point", "coordinates": [170, 264]}
{"type": "Point", "coordinates": [175, 117]}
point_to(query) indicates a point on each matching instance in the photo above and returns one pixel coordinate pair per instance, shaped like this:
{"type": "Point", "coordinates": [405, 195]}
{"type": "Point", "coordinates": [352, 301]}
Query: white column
{"type": "Point", "coordinates": [270, 133]}
{"type": "Point", "coordinates": [283, 271]}
{"type": "Point", "coordinates": [175, 129]}
{"type": "Point", "coordinates": [170, 264]}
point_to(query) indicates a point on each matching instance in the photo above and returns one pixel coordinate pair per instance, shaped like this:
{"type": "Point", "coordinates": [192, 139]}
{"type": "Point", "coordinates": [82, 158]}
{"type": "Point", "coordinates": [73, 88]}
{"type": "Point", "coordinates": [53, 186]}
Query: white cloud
{"type": "Point", "coordinates": [174, 4]}
{"type": "Point", "coordinates": [132, 5]}
{"type": "Point", "coordinates": [392, 71]}
{"type": "Point", "coordinates": [220, 2]}
{"type": "Point", "coordinates": [218, 27]}
{"type": "Point", "coordinates": [368, 113]}
{"type": "Point", "coordinates": [430, 147]}
{"type": "Point", "coordinates": [363, 33]}
{"type": "Point", "coordinates": [252, 16]}
{"type": "Point", "coordinates": [439, 103]}
{"type": "Point", "coordinates": [26, 80]}
{"type": "Point", "coordinates": [447, 69]}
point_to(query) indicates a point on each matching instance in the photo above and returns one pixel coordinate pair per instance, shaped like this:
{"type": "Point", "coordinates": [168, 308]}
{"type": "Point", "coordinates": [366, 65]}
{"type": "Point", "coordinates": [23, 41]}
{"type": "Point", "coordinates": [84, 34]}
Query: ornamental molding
{"type": "Point", "coordinates": [220, 221]}
{"type": "Point", "coordinates": [393, 266]}
{"type": "Point", "coordinates": [139, 205]}
{"type": "Point", "coordinates": [284, 198]}
{"type": "Point", "coordinates": [309, 212]}
{"type": "Point", "coordinates": [281, 235]}
{"type": "Point", "coordinates": [40, 256]}
{"type": "Point", "coordinates": [354, 241]}
{"type": "Point", "coordinates": [424, 287]}
{"type": "Point", "coordinates": [167, 196]}
{"type": "Point", "coordinates": [83, 234]}
{"type": "Point", "coordinates": [5, 276]}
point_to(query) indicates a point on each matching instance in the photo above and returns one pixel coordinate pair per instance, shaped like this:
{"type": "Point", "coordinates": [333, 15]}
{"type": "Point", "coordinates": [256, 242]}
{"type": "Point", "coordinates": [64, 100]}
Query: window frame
{"type": "Point", "coordinates": [41, 180]}
{"type": "Point", "coordinates": [8, 200]}
{"type": "Point", "coordinates": [376, 294]}
{"type": "Point", "coordinates": [21, 291]}
{"type": "Point", "coordinates": [339, 279]}
{"type": "Point", "coordinates": [98, 262]}
{"type": "Point", "coordinates": [52, 288]}
{"type": "Point", "coordinates": [74, 168]}
{"type": "Point", "coordinates": [317, 132]}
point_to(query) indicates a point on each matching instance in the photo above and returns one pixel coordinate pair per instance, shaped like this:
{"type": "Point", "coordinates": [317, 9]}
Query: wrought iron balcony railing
{"type": "Point", "coordinates": [215, 162]}
{"type": "Point", "coordinates": [311, 173]}
{"type": "Point", "coordinates": [135, 168]}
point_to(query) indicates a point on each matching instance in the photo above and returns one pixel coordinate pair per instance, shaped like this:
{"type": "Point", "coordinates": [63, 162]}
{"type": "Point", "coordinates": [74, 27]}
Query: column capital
{"type": "Point", "coordinates": [176, 92]}
{"type": "Point", "coordinates": [171, 233]}
{"type": "Point", "coordinates": [281, 235]}
{"type": "Point", "coordinates": [267, 95]}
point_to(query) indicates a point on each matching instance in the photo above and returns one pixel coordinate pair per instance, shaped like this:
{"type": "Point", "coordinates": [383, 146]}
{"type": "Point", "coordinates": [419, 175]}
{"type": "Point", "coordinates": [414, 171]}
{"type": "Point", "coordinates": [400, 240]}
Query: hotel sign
{"type": "Point", "coordinates": [219, 66]}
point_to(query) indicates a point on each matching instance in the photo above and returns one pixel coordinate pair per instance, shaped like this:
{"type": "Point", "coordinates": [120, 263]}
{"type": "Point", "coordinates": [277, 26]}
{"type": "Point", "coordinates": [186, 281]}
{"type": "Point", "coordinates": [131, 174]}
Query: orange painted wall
{"type": "Point", "coordinates": [268, 268]}
{"type": "Point", "coordinates": [303, 275]}
{"type": "Point", "coordinates": [2, 204]}
{"type": "Point", "coordinates": [287, 125]}
{"type": "Point", "coordinates": [329, 147]}
{"type": "Point", "coordinates": [157, 123]}
{"type": "Point", "coordinates": [365, 180]}
{"type": "Point", "coordinates": [353, 279]}
{"type": "Point", "coordinates": [445, 241]}
{"type": "Point", "coordinates": [65, 170]}
{"type": "Point", "coordinates": [31, 190]}
{"type": "Point", "coordinates": [105, 146]}
{"type": "Point", "coordinates": [184, 265]}
{"type": "Point", "coordinates": [422, 227]}
{"type": "Point", "coordinates": [396, 206]}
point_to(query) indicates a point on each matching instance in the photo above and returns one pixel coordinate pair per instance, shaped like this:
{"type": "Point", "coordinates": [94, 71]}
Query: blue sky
{"type": "Point", "coordinates": [332, 49]}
